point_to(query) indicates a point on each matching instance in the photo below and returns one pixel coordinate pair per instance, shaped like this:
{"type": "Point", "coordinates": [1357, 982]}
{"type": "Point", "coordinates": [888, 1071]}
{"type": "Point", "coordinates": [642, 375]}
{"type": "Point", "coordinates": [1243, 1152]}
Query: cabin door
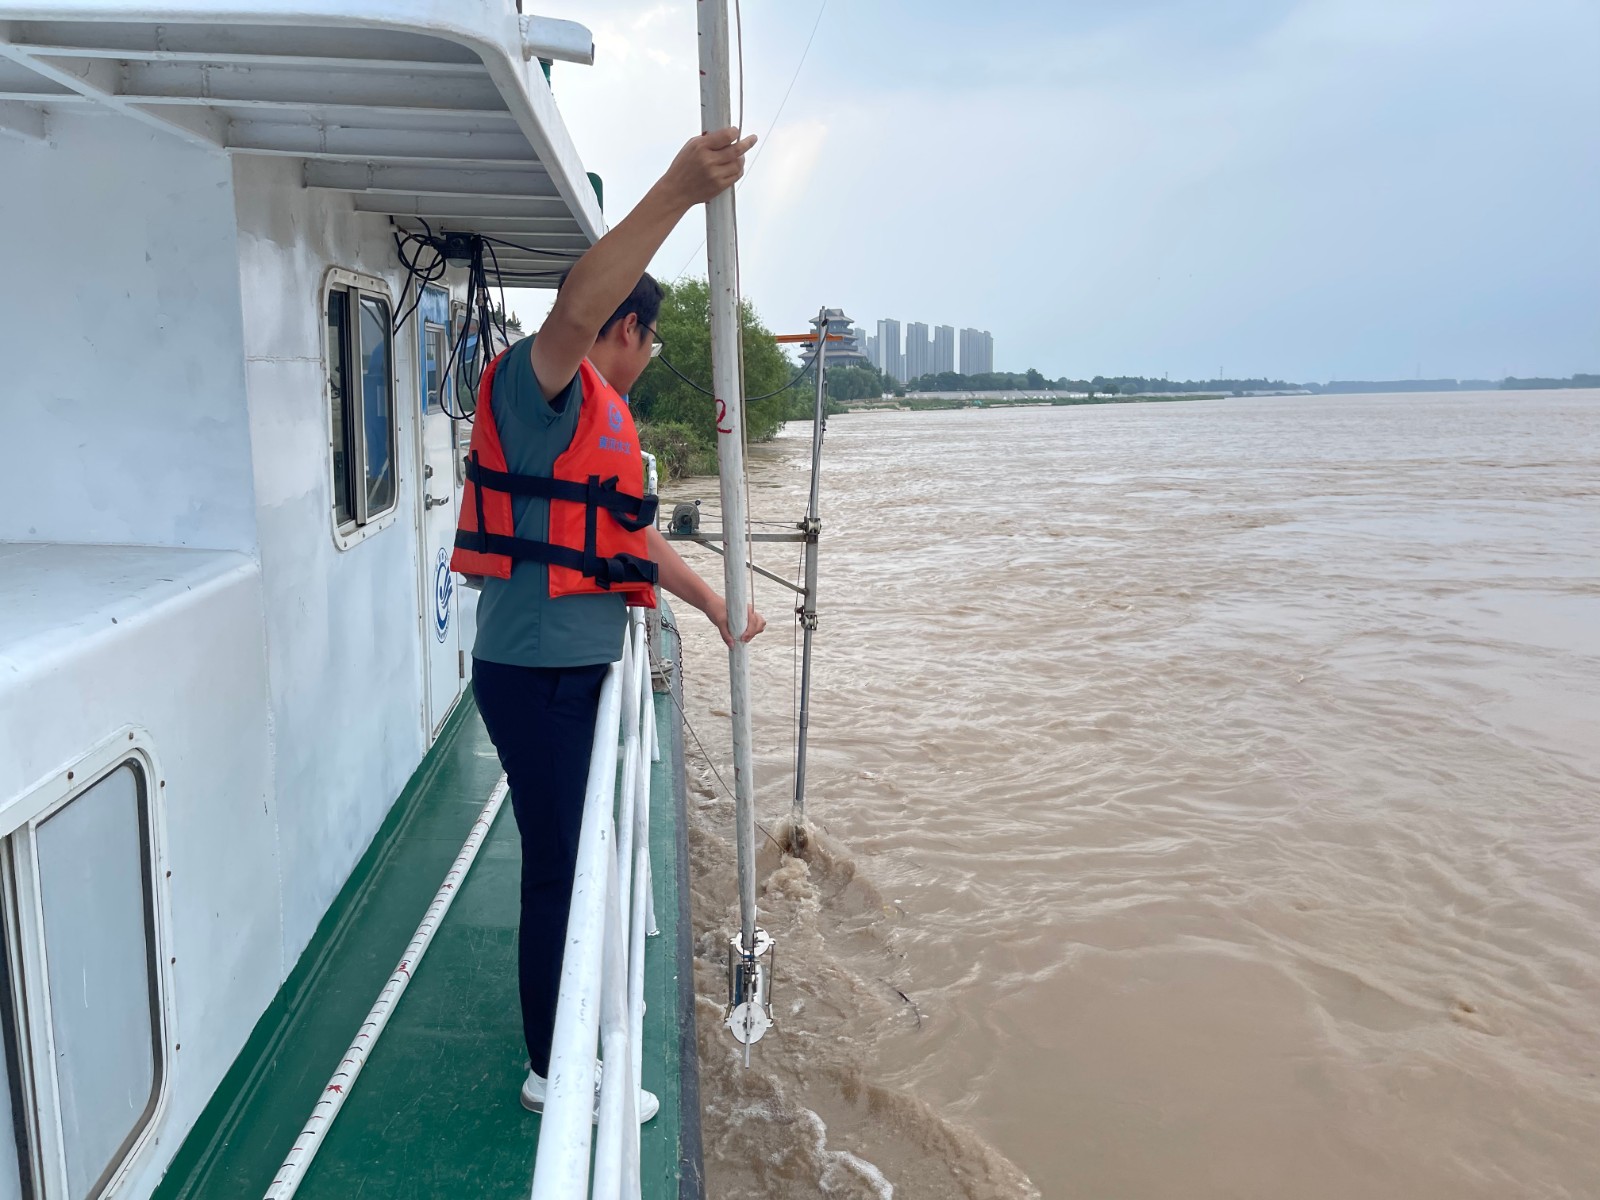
{"type": "Point", "coordinates": [441, 625]}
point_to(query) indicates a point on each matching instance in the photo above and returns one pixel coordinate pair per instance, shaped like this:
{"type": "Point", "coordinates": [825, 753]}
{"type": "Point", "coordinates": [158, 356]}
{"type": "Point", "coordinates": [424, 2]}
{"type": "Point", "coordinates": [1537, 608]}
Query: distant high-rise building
{"type": "Point", "coordinates": [860, 336]}
{"type": "Point", "coordinates": [977, 352]}
{"type": "Point", "coordinates": [892, 361]}
{"type": "Point", "coordinates": [872, 351]}
{"type": "Point", "coordinates": [944, 348]}
{"type": "Point", "coordinates": [919, 351]}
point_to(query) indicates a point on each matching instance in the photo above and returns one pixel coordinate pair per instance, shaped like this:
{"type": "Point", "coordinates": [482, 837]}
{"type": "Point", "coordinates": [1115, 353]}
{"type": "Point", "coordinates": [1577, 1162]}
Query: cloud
{"type": "Point", "coordinates": [1329, 187]}
{"type": "Point", "coordinates": [776, 199]}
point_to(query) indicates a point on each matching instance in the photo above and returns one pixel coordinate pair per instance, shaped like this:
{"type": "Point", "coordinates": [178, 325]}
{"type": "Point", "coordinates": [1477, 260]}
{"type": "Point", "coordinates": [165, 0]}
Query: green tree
{"type": "Point", "coordinates": [855, 383]}
{"type": "Point", "coordinates": [685, 329]}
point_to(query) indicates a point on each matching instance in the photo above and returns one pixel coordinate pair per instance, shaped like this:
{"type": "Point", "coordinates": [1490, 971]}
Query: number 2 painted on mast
{"type": "Point", "coordinates": [722, 417]}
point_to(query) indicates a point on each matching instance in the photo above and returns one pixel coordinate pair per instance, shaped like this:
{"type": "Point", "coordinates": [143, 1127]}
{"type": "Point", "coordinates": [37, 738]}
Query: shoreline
{"type": "Point", "coordinates": [946, 402]}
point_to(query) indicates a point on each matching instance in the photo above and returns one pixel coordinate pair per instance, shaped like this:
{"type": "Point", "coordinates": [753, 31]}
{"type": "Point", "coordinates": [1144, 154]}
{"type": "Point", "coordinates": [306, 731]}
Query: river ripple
{"type": "Point", "coordinates": [1219, 782]}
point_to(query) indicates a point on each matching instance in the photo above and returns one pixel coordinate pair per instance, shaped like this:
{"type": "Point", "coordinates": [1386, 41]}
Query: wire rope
{"type": "Point", "coordinates": [766, 137]}
{"type": "Point", "coordinates": [656, 664]}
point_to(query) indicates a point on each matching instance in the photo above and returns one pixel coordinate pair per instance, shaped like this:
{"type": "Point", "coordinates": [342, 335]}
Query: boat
{"type": "Point", "coordinates": [258, 897]}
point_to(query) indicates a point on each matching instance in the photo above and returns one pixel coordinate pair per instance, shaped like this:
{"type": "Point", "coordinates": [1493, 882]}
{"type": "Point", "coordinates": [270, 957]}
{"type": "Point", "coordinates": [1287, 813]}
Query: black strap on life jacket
{"type": "Point", "coordinates": [633, 513]}
{"type": "Point", "coordinates": [618, 570]}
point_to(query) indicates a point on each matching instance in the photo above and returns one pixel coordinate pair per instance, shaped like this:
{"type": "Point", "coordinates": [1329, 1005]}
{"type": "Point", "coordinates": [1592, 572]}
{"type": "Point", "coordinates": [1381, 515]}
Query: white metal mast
{"type": "Point", "coordinates": [810, 529]}
{"type": "Point", "coordinates": [749, 1015]}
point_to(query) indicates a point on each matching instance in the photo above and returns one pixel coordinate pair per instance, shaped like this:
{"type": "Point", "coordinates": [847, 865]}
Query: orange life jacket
{"type": "Point", "coordinates": [597, 530]}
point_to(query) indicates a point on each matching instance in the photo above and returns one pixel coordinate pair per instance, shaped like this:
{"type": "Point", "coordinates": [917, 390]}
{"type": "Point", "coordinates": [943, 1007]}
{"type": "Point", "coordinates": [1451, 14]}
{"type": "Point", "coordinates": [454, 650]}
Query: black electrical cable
{"type": "Point", "coordinates": [798, 375]}
{"type": "Point", "coordinates": [499, 316]}
{"type": "Point", "coordinates": [470, 360]}
{"type": "Point", "coordinates": [474, 360]}
{"type": "Point", "coordinates": [748, 399]}
{"type": "Point", "coordinates": [685, 378]}
{"type": "Point", "coordinates": [415, 273]}
{"type": "Point", "coordinates": [574, 254]}
{"type": "Point", "coordinates": [470, 355]}
{"type": "Point", "coordinates": [409, 249]}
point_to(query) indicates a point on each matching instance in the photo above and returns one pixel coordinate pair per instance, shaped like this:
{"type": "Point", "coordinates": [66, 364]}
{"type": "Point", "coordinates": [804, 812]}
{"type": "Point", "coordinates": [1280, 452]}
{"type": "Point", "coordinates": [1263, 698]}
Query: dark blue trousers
{"type": "Point", "coordinates": [541, 720]}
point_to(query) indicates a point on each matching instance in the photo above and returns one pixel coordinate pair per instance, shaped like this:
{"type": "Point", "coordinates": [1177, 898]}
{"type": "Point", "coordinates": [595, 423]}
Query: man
{"type": "Point", "coordinates": [551, 520]}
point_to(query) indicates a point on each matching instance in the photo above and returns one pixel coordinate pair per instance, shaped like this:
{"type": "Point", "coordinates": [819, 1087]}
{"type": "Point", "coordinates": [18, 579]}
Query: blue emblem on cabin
{"type": "Point", "coordinates": [615, 419]}
{"type": "Point", "coordinates": [444, 589]}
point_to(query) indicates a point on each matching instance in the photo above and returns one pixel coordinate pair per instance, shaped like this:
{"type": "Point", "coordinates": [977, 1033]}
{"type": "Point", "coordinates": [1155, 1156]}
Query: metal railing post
{"type": "Point", "coordinates": [602, 970]}
{"type": "Point", "coordinates": [561, 1169]}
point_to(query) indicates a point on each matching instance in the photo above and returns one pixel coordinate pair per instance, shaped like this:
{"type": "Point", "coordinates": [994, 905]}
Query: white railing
{"type": "Point", "coordinates": [602, 968]}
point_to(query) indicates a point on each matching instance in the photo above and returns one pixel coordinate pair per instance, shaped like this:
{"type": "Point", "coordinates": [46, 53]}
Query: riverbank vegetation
{"type": "Point", "coordinates": [916, 403]}
{"type": "Point", "coordinates": [1101, 385]}
{"type": "Point", "coordinates": [677, 417]}
{"type": "Point", "coordinates": [1512, 383]}
{"type": "Point", "coordinates": [1141, 385]}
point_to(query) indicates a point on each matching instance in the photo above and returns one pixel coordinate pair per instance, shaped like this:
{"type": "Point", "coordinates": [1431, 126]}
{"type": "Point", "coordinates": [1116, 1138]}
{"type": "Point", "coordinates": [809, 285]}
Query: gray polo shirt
{"type": "Point", "coordinates": [518, 622]}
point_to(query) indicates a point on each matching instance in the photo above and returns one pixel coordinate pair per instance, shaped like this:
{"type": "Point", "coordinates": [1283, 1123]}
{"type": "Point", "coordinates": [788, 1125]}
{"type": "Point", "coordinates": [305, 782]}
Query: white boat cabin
{"type": "Point", "coordinates": [228, 485]}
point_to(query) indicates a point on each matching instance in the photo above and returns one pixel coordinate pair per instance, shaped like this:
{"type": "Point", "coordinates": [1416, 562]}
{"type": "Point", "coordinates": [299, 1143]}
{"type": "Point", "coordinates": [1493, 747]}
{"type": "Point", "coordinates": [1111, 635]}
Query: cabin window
{"type": "Point", "coordinates": [83, 998]}
{"type": "Point", "coordinates": [361, 406]}
{"type": "Point", "coordinates": [99, 949]}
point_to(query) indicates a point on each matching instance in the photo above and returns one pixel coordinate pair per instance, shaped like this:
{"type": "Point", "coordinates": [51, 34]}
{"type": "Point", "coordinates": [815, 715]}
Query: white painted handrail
{"type": "Point", "coordinates": [602, 967]}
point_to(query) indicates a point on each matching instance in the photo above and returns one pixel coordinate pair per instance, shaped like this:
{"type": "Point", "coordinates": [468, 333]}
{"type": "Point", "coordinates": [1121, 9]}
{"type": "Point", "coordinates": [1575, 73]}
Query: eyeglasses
{"type": "Point", "coordinates": [655, 341]}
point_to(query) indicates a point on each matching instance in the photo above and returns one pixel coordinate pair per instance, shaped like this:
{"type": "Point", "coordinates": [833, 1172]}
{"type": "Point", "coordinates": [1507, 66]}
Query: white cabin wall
{"type": "Point", "coordinates": [344, 631]}
{"type": "Point", "coordinates": [99, 642]}
{"type": "Point", "coordinates": [121, 406]}
{"type": "Point", "coordinates": [168, 389]}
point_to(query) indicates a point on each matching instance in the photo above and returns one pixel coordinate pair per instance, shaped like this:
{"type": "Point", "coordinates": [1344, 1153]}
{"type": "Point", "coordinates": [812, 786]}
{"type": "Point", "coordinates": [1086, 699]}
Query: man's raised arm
{"type": "Point", "coordinates": [603, 277]}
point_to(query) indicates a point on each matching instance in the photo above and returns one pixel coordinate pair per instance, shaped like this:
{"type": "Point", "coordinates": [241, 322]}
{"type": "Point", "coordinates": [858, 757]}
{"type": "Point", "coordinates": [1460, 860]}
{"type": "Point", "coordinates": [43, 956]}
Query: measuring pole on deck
{"type": "Point", "coordinates": [749, 1015]}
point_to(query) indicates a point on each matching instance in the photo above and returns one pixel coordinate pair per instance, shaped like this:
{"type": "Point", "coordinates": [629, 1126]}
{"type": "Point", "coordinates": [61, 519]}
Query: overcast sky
{"type": "Point", "coordinates": [1305, 190]}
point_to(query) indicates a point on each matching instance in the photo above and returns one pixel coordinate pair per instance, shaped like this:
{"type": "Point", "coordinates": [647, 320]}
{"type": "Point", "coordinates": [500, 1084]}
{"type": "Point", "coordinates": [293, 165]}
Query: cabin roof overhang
{"type": "Point", "coordinates": [432, 112]}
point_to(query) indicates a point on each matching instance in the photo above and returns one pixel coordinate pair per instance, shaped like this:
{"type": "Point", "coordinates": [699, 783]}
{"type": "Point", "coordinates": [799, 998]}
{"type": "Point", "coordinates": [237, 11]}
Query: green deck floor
{"type": "Point", "coordinates": [435, 1111]}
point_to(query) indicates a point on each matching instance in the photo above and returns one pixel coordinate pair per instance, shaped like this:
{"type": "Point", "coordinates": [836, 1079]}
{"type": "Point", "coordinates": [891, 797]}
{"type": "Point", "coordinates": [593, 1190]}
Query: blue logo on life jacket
{"type": "Point", "coordinates": [615, 417]}
{"type": "Point", "coordinates": [444, 589]}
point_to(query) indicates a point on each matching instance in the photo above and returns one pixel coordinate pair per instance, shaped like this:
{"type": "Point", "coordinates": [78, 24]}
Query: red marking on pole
{"type": "Point", "coordinates": [338, 1088]}
{"type": "Point", "coordinates": [722, 415]}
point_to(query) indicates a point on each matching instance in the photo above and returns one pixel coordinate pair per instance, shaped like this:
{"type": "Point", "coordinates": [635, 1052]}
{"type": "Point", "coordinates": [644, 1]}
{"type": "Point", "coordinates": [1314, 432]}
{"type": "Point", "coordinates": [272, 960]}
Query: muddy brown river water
{"type": "Point", "coordinates": [1208, 799]}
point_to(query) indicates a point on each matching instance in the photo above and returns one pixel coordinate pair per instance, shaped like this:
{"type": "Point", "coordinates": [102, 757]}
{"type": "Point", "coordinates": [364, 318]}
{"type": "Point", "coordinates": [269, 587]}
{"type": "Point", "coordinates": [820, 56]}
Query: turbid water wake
{"type": "Point", "coordinates": [1208, 799]}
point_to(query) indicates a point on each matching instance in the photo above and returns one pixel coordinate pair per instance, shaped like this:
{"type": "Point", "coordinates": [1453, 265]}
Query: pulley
{"type": "Point", "coordinates": [686, 518]}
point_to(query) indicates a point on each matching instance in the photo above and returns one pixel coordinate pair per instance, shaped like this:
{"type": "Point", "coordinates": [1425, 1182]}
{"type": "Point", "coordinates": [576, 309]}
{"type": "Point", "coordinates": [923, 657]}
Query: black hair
{"type": "Point", "coordinates": [644, 302]}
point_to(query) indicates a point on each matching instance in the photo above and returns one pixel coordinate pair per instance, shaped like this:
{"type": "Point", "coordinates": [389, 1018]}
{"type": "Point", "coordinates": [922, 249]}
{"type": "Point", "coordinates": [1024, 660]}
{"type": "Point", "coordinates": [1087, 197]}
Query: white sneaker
{"type": "Point", "coordinates": [534, 1090]}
